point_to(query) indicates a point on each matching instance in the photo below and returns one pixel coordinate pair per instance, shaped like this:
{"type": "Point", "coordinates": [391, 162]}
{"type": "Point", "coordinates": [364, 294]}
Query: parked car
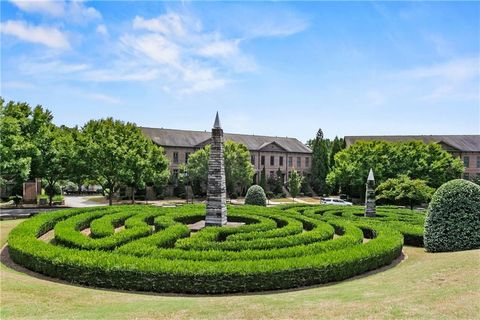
{"type": "Point", "coordinates": [337, 202]}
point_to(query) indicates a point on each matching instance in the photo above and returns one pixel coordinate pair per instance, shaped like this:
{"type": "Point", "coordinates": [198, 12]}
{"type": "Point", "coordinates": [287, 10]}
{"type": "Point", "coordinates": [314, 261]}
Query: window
{"type": "Point", "coordinates": [478, 161]}
{"type": "Point", "coordinates": [252, 159]}
{"type": "Point", "coordinates": [175, 157]}
{"type": "Point", "coordinates": [290, 161]}
{"type": "Point", "coordinates": [280, 161]}
{"type": "Point", "coordinates": [307, 162]}
{"type": "Point", "coordinates": [262, 160]}
{"type": "Point", "coordinates": [187, 154]}
{"type": "Point", "coordinates": [466, 176]}
{"type": "Point", "coordinates": [466, 161]}
{"type": "Point", "coordinates": [272, 160]}
{"type": "Point", "coordinates": [175, 176]}
{"type": "Point", "coordinates": [272, 174]}
{"type": "Point", "coordinates": [299, 162]}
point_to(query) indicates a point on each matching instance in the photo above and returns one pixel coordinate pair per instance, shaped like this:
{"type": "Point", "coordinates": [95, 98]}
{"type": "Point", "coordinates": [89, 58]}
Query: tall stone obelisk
{"type": "Point", "coordinates": [216, 188]}
{"type": "Point", "coordinates": [370, 209]}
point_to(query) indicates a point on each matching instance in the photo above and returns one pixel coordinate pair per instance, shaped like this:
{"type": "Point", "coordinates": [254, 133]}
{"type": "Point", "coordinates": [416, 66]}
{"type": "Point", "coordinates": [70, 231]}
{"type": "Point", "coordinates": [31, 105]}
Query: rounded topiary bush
{"type": "Point", "coordinates": [453, 220]}
{"type": "Point", "coordinates": [256, 196]}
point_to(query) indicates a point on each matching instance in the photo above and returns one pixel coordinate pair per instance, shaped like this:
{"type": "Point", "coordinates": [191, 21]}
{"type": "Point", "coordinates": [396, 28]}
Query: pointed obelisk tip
{"type": "Point", "coordinates": [217, 125]}
{"type": "Point", "coordinates": [370, 176]}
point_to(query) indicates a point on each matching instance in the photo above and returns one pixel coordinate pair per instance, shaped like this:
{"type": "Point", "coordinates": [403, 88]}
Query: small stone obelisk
{"type": "Point", "coordinates": [216, 188]}
{"type": "Point", "coordinates": [370, 196]}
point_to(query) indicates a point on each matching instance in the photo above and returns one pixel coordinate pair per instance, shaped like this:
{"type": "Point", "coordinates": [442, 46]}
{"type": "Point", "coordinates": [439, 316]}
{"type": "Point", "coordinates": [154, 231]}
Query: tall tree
{"type": "Point", "coordinates": [415, 159]}
{"type": "Point", "coordinates": [294, 184]}
{"type": "Point", "coordinates": [238, 169]}
{"type": "Point", "coordinates": [338, 144]}
{"type": "Point", "coordinates": [24, 133]}
{"type": "Point", "coordinates": [78, 166]}
{"type": "Point", "coordinates": [55, 157]}
{"type": "Point", "coordinates": [16, 147]}
{"type": "Point", "coordinates": [320, 164]}
{"type": "Point", "coordinates": [112, 144]}
{"type": "Point", "coordinates": [148, 165]}
{"type": "Point", "coordinates": [263, 179]}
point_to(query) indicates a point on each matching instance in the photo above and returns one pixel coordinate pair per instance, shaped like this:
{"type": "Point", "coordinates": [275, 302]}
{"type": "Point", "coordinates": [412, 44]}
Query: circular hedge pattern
{"type": "Point", "coordinates": [151, 248]}
{"type": "Point", "coordinates": [453, 220]}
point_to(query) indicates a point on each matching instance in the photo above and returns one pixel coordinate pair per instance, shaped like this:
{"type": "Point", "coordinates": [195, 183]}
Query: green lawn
{"type": "Point", "coordinates": [424, 286]}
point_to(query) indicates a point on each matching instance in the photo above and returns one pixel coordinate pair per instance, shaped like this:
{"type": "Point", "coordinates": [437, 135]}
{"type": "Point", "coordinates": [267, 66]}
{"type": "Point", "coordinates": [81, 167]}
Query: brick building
{"type": "Point", "coordinates": [273, 153]}
{"type": "Point", "coordinates": [466, 147]}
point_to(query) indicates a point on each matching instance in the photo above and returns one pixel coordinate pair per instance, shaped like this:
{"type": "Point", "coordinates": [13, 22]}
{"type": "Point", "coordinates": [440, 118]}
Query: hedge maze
{"type": "Point", "coordinates": [149, 248]}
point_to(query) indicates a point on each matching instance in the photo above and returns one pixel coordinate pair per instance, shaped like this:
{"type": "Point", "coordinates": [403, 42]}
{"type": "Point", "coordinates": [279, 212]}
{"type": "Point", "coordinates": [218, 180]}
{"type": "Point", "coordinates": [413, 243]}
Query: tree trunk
{"type": "Point", "coordinates": [110, 195]}
{"type": "Point", "coordinates": [133, 195]}
{"type": "Point", "coordinates": [51, 191]}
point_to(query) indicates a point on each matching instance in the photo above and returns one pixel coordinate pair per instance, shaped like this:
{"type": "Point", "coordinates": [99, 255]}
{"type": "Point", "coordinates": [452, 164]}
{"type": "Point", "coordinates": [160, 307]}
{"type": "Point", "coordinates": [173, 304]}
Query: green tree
{"type": "Point", "coordinates": [415, 159]}
{"type": "Point", "coordinates": [320, 164]}
{"type": "Point", "coordinates": [263, 179]}
{"type": "Point", "coordinates": [78, 167]}
{"type": "Point", "coordinates": [238, 169]}
{"type": "Point", "coordinates": [112, 144]}
{"type": "Point", "coordinates": [337, 145]}
{"type": "Point", "coordinates": [54, 158]}
{"type": "Point", "coordinates": [16, 147]}
{"type": "Point", "coordinates": [148, 165]}
{"type": "Point", "coordinates": [404, 191]}
{"type": "Point", "coordinates": [294, 184]}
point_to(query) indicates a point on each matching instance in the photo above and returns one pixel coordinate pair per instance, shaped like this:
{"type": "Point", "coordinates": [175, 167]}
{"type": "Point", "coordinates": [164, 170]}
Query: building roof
{"type": "Point", "coordinates": [464, 143]}
{"type": "Point", "coordinates": [192, 139]}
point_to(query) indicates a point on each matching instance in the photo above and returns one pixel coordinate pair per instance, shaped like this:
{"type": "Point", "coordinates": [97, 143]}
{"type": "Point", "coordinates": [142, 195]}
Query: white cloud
{"type": "Point", "coordinates": [189, 59]}
{"type": "Point", "coordinates": [454, 80]}
{"type": "Point", "coordinates": [454, 70]}
{"type": "Point", "coordinates": [104, 98]}
{"type": "Point", "coordinates": [79, 13]}
{"type": "Point", "coordinates": [154, 46]}
{"type": "Point", "coordinates": [73, 11]}
{"type": "Point", "coordinates": [48, 36]}
{"type": "Point", "coordinates": [17, 85]}
{"type": "Point", "coordinates": [102, 29]}
{"type": "Point", "coordinates": [53, 68]}
{"type": "Point", "coordinates": [220, 48]}
{"type": "Point", "coordinates": [169, 24]}
{"type": "Point", "coordinates": [114, 75]}
{"type": "Point", "coordinates": [49, 8]}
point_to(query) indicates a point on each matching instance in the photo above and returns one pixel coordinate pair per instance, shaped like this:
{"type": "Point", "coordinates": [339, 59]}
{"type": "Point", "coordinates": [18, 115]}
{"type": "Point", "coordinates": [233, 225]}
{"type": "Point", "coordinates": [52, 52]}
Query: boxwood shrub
{"type": "Point", "coordinates": [256, 196]}
{"type": "Point", "coordinates": [453, 220]}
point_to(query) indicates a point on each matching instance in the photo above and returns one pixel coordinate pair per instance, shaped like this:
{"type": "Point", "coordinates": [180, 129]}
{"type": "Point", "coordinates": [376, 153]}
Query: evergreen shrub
{"type": "Point", "coordinates": [453, 220]}
{"type": "Point", "coordinates": [256, 196]}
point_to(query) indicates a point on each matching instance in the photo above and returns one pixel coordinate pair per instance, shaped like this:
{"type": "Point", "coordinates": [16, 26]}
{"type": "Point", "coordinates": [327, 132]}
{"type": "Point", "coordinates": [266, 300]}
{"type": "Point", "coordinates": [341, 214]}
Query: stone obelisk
{"type": "Point", "coordinates": [216, 188]}
{"type": "Point", "coordinates": [370, 196]}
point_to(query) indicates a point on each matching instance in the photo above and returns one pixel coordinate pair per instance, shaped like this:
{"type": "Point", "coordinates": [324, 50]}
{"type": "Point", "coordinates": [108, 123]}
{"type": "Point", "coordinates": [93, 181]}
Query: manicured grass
{"type": "Point", "coordinates": [424, 286]}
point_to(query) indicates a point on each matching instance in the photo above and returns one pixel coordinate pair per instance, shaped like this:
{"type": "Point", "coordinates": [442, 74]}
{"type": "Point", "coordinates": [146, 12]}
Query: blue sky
{"type": "Point", "coordinates": [273, 68]}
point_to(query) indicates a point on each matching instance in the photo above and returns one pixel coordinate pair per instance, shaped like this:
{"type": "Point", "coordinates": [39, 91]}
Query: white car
{"type": "Point", "coordinates": [336, 202]}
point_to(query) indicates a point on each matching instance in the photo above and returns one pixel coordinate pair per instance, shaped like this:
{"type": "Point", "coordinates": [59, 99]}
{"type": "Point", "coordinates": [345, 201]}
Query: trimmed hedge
{"type": "Point", "coordinates": [276, 248]}
{"type": "Point", "coordinates": [256, 196]}
{"type": "Point", "coordinates": [453, 220]}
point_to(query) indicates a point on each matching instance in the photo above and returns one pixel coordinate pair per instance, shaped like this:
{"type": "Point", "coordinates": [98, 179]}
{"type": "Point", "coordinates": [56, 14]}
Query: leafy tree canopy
{"type": "Point", "coordinates": [404, 191]}
{"type": "Point", "coordinates": [414, 159]}
{"type": "Point", "coordinates": [238, 169]}
{"type": "Point", "coordinates": [294, 183]}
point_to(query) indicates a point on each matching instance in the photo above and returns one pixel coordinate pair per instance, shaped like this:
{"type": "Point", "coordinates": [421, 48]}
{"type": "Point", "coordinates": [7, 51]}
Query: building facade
{"type": "Point", "coordinates": [465, 147]}
{"type": "Point", "coordinates": [271, 153]}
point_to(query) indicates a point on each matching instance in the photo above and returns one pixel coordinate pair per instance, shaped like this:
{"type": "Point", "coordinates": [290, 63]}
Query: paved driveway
{"type": "Point", "coordinates": [80, 202]}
